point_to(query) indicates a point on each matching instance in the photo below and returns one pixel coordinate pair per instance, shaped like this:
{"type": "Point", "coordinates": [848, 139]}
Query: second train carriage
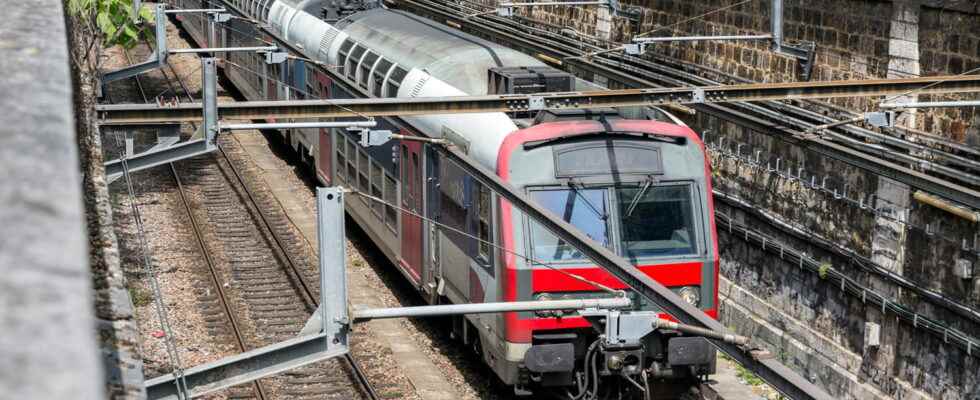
{"type": "Point", "coordinates": [634, 180]}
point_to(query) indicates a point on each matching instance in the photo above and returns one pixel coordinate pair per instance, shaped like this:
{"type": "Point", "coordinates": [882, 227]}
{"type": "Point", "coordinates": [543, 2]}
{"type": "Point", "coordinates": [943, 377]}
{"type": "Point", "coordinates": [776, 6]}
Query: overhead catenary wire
{"type": "Point", "coordinates": [913, 91]}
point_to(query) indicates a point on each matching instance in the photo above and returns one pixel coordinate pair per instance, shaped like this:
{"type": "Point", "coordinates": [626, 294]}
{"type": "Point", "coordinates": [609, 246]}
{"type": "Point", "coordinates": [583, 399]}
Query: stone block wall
{"type": "Point", "coordinates": [950, 44]}
{"type": "Point", "coordinates": [812, 325]}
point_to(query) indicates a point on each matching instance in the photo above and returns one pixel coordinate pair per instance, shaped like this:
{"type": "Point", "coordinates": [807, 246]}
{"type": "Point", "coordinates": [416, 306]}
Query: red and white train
{"type": "Point", "coordinates": [634, 180]}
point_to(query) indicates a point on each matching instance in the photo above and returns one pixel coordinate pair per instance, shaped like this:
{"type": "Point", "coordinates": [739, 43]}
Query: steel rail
{"type": "Point", "coordinates": [294, 271]}
{"type": "Point", "coordinates": [199, 236]}
{"type": "Point", "coordinates": [117, 114]}
{"type": "Point", "coordinates": [357, 370]}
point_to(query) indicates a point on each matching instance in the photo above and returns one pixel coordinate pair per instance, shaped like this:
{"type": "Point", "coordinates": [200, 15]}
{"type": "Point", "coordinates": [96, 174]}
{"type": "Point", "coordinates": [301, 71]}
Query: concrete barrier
{"type": "Point", "coordinates": [47, 343]}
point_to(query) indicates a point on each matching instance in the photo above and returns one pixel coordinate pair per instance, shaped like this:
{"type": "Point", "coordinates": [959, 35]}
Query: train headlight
{"type": "Point", "coordinates": [691, 294]}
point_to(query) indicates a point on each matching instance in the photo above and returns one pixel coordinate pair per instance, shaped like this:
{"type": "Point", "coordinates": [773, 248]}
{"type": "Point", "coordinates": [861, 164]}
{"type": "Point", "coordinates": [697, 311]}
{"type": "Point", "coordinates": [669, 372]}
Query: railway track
{"type": "Point", "coordinates": [258, 291]}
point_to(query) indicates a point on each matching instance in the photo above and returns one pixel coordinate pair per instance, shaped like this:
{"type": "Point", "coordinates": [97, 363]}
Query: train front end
{"type": "Point", "coordinates": [640, 188]}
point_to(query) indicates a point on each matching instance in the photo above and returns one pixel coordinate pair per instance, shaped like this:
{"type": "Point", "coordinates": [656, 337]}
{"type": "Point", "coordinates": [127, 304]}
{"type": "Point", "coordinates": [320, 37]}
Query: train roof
{"type": "Point", "coordinates": [457, 58]}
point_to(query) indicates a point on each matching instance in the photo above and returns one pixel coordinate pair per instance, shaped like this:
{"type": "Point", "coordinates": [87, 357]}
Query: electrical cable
{"type": "Point", "coordinates": [849, 286]}
{"type": "Point", "coordinates": [939, 82]}
{"type": "Point", "coordinates": [150, 272]}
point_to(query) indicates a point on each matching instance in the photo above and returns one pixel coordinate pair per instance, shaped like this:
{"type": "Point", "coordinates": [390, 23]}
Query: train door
{"type": "Point", "coordinates": [432, 269]}
{"type": "Point", "coordinates": [411, 174]}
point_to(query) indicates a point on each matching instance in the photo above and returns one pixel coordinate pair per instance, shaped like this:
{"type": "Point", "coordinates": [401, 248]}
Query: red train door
{"type": "Point", "coordinates": [411, 174]}
{"type": "Point", "coordinates": [324, 152]}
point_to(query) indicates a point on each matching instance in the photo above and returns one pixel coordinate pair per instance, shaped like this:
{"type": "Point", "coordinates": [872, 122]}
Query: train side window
{"type": "Point", "coordinates": [416, 177]}
{"type": "Point", "coordinates": [341, 157]}
{"type": "Point", "coordinates": [353, 60]}
{"type": "Point", "coordinates": [395, 81]}
{"type": "Point", "coordinates": [364, 75]}
{"type": "Point", "coordinates": [483, 228]}
{"type": "Point", "coordinates": [377, 179]}
{"type": "Point", "coordinates": [363, 163]}
{"type": "Point", "coordinates": [351, 163]}
{"type": "Point", "coordinates": [391, 199]}
{"type": "Point", "coordinates": [405, 176]}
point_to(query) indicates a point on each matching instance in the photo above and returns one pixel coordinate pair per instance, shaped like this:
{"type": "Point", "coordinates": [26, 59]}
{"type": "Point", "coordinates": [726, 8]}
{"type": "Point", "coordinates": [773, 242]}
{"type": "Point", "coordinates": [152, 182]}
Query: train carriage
{"type": "Point", "coordinates": [634, 180]}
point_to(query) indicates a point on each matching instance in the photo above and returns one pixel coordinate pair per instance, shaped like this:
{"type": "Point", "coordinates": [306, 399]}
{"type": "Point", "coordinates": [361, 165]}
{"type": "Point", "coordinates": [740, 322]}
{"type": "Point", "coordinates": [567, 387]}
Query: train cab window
{"type": "Point", "coordinates": [656, 220]}
{"type": "Point", "coordinates": [586, 209]}
{"type": "Point", "coordinates": [391, 198]}
{"type": "Point", "coordinates": [377, 179]}
{"type": "Point", "coordinates": [483, 223]}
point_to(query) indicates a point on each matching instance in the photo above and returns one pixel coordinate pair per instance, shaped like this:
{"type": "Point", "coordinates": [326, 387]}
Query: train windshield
{"type": "Point", "coordinates": [650, 220]}
{"type": "Point", "coordinates": [656, 220]}
{"type": "Point", "coordinates": [586, 209]}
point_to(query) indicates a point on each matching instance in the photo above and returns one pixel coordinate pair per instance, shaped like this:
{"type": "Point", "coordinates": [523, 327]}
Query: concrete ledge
{"type": "Point", "coordinates": [48, 346]}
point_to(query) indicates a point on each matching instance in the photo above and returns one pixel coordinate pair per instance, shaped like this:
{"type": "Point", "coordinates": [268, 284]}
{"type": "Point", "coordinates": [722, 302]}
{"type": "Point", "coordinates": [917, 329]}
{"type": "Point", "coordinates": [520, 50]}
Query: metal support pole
{"type": "Point", "coordinates": [556, 3]}
{"type": "Point", "coordinates": [333, 266]}
{"type": "Point", "coordinates": [222, 49]}
{"type": "Point", "coordinates": [210, 109]}
{"type": "Point", "coordinates": [487, 308]}
{"type": "Point", "coordinates": [931, 104]}
{"type": "Point", "coordinates": [697, 38]}
{"type": "Point", "coordinates": [212, 32]}
{"type": "Point", "coordinates": [777, 25]}
{"type": "Point", "coordinates": [300, 125]}
{"type": "Point", "coordinates": [197, 10]}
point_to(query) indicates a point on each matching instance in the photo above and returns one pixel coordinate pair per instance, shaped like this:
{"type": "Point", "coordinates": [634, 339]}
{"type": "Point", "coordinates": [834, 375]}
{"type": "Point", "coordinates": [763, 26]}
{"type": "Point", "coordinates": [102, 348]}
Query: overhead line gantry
{"type": "Point", "coordinates": [124, 114]}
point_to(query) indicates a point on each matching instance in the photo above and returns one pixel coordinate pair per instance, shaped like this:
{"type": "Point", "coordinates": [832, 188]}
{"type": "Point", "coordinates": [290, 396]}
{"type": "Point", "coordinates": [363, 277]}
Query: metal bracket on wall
{"type": "Point", "coordinates": [804, 51]}
{"type": "Point", "coordinates": [326, 340]}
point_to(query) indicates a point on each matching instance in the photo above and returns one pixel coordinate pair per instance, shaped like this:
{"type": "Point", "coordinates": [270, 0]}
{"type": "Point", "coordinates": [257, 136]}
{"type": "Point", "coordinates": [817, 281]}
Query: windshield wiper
{"type": "Point", "coordinates": [602, 215]}
{"type": "Point", "coordinates": [638, 196]}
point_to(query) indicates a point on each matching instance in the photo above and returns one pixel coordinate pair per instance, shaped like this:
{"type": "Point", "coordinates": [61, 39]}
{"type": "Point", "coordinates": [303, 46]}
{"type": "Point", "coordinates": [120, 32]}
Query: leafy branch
{"type": "Point", "coordinates": [106, 23]}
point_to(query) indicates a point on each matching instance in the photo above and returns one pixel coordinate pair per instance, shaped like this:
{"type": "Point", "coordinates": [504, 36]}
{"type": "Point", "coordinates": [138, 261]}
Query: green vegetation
{"type": "Point", "coordinates": [824, 269]}
{"type": "Point", "coordinates": [140, 296]}
{"type": "Point", "coordinates": [116, 20]}
{"type": "Point", "coordinates": [748, 376]}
